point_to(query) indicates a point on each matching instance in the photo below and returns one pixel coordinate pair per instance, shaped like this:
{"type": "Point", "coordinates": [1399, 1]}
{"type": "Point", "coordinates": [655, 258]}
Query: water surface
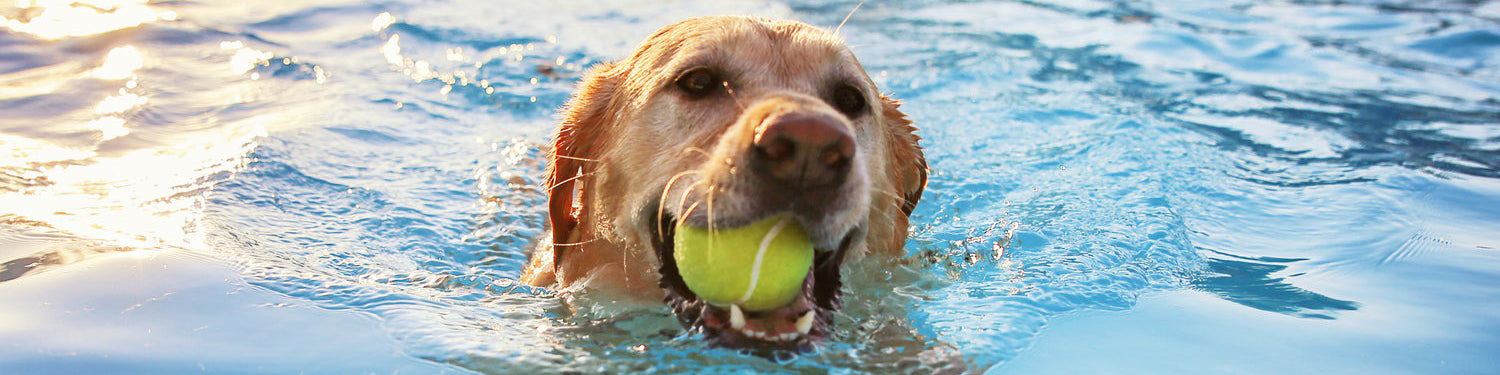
{"type": "Point", "coordinates": [1117, 187]}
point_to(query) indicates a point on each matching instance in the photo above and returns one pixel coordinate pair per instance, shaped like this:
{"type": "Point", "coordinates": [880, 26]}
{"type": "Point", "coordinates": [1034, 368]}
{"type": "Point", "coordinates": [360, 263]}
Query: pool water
{"type": "Point", "coordinates": [1117, 187]}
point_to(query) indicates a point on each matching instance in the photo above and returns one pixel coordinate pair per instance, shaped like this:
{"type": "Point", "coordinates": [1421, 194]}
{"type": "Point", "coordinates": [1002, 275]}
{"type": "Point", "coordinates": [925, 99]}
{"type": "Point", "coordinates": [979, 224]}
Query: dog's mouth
{"type": "Point", "coordinates": [795, 326]}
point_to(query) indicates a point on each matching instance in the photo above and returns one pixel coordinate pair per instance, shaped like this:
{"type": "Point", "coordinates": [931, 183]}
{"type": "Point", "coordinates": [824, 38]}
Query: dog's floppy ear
{"type": "Point", "coordinates": [576, 149]}
{"type": "Point", "coordinates": [910, 166]}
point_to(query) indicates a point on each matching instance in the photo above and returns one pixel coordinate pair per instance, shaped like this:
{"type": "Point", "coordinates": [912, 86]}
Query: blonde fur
{"type": "Point", "coordinates": [627, 143]}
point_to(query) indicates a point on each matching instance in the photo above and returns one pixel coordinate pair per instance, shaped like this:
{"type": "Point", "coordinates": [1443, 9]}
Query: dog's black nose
{"type": "Point", "coordinates": [803, 150]}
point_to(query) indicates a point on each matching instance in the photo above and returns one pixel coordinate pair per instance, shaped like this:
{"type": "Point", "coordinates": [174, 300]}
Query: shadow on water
{"type": "Point", "coordinates": [57, 256]}
{"type": "Point", "coordinates": [1252, 282]}
{"type": "Point", "coordinates": [15, 268]}
{"type": "Point", "coordinates": [52, 256]}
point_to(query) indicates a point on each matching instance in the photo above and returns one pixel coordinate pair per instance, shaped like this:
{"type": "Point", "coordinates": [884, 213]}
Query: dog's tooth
{"type": "Point", "coordinates": [804, 323]}
{"type": "Point", "coordinates": [788, 336]}
{"type": "Point", "coordinates": [736, 317]}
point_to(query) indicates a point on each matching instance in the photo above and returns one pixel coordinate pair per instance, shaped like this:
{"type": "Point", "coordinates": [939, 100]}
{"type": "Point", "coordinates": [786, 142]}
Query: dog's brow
{"type": "Point", "coordinates": [712, 59]}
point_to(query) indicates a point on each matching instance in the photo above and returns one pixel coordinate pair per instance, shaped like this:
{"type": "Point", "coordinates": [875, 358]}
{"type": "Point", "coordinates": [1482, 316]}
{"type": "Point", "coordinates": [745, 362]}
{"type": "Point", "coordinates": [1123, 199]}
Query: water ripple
{"type": "Point", "coordinates": [1325, 163]}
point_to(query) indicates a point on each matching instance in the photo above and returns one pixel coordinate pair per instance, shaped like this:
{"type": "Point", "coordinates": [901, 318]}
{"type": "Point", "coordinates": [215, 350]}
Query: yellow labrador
{"type": "Point", "coordinates": [727, 120]}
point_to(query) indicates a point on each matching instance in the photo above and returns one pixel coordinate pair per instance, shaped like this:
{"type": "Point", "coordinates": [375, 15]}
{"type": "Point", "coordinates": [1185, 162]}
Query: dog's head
{"type": "Point", "coordinates": [723, 121]}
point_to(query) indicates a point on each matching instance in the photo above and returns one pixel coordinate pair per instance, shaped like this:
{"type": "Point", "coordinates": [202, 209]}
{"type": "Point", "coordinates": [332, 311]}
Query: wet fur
{"type": "Point", "coordinates": [627, 151]}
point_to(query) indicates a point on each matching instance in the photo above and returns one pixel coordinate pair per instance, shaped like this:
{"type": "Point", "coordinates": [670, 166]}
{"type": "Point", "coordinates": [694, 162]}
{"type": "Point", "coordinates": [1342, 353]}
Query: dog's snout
{"type": "Point", "coordinates": [803, 150]}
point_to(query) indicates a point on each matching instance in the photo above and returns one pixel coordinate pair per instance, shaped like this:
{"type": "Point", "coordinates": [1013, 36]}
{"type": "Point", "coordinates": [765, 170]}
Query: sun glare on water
{"type": "Point", "coordinates": [58, 19]}
{"type": "Point", "coordinates": [124, 189]}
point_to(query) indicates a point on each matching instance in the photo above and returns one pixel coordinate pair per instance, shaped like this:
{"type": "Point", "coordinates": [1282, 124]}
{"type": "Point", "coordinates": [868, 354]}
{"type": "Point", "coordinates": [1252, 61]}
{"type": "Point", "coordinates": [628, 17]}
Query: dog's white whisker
{"type": "Point", "coordinates": [847, 17]}
{"type": "Point", "coordinates": [570, 179]}
{"type": "Point", "coordinates": [576, 158]}
{"type": "Point", "coordinates": [682, 199]}
{"type": "Point", "coordinates": [690, 149]}
{"type": "Point", "coordinates": [713, 227]}
{"type": "Point", "coordinates": [575, 243]}
{"type": "Point", "coordinates": [691, 208]}
{"type": "Point", "coordinates": [661, 202]}
{"type": "Point", "coordinates": [732, 96]}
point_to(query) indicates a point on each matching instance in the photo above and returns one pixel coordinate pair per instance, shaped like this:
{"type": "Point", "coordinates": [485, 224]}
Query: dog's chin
{"type": "Point", "coordinates": [794, 327]}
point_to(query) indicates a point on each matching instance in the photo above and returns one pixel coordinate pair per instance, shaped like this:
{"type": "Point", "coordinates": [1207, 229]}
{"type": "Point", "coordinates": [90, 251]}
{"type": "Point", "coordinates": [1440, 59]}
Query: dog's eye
{"type": "Point", "coordinates": [699, 82]}
{"type": "Point", "coordinates": [848, 100]}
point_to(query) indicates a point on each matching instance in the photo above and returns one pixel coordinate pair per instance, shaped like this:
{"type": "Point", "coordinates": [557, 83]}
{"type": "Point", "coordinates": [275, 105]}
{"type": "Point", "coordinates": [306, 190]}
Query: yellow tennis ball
{"type": "Point", "coordinates": [759, 267]}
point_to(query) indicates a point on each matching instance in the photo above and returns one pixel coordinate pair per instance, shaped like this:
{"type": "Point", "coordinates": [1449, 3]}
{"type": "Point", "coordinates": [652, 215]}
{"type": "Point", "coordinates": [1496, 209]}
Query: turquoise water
{"type": "Point", "coordinates": [1117, 187]}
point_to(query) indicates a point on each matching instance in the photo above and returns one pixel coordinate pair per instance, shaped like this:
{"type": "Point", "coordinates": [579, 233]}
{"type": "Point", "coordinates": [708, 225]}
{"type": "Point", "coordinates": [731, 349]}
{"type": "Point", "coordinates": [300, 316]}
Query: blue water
{"type": "Point", "coordinates": [1117, 187]}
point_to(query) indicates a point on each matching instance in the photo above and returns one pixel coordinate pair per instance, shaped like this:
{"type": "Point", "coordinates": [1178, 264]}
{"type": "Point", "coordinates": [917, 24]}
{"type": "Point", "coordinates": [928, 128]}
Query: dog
{"type": "Point", "coordinates": [723, 121]}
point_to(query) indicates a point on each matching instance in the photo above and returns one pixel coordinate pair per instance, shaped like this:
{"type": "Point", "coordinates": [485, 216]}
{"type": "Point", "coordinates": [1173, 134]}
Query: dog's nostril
{"type": "Point", "coordinates": [777, 149]}
{"type": "Point", "coordinates": [834, 157]}
{"type": "Point", "coordinates": [803, 149]}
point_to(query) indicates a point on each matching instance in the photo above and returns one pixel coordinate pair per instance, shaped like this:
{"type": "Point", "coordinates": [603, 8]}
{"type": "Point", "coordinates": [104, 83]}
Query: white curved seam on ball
{"type": "Point", "coordinates": [760, 256]}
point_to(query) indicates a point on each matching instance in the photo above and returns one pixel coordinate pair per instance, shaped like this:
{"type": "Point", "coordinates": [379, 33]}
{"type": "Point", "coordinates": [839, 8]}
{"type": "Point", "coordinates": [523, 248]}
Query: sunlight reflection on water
{"type": "Point", "coordinates": [57, 19]}
{"type": "Point", "coordinates": [126, 194]}
{"type": "Point", "coordinates": [1215, 163]}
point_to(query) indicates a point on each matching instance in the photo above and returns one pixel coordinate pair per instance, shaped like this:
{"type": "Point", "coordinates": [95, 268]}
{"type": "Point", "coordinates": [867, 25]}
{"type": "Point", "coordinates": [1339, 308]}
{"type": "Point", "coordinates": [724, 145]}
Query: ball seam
{"type": "Point", "coordinates": [760, 256]}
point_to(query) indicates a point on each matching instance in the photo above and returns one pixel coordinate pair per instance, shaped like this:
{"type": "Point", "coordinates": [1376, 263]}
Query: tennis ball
{"type": "Point", "coordinates": [759, 266]}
